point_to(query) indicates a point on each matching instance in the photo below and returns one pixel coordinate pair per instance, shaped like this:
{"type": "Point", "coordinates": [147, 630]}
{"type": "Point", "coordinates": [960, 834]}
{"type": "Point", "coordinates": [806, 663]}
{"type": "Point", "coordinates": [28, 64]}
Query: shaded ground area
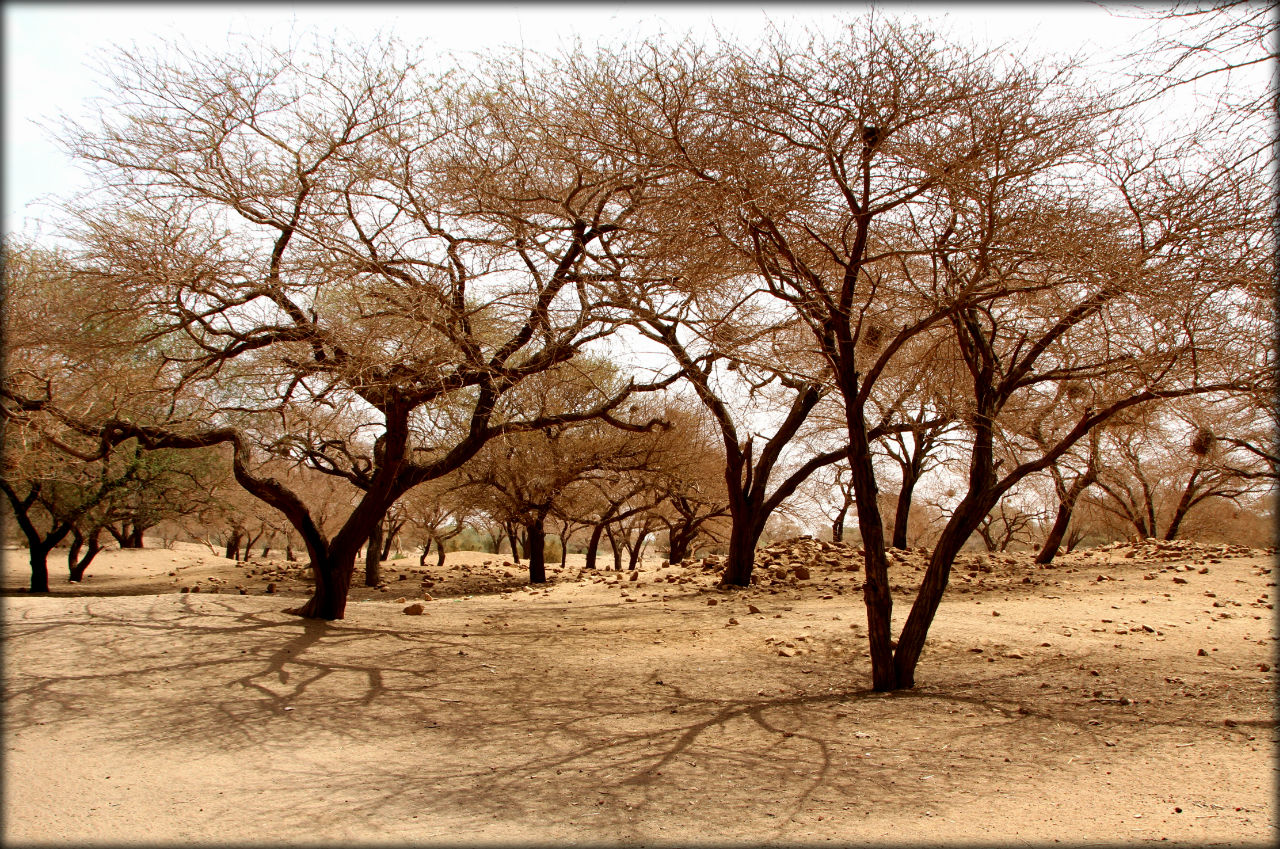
{"type": "Point", "coordinates": [658, 711]}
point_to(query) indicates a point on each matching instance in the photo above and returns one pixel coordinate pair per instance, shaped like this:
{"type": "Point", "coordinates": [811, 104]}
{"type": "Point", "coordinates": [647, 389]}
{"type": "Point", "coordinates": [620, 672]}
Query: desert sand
{"type": "Point", "coordinates": [1126, 695]}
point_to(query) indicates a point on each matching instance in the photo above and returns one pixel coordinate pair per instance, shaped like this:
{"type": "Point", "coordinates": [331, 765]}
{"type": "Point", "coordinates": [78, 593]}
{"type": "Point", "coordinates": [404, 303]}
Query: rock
{"type": "Point", "coordinates": [711, 602]}
{"type": "Point", "coordinates": [1179, 580]}
{"type": "Point", "coordinates": [416, 609]}
{"type": "Point", "coordinates": [751, 608]}
{"type": "Point", "coordinates": [1201, 653]}
{"type": "Point", "coordinates": [733, 621]}
{"type": "Point", "coordinates": [271, 588]}
{"type": "Point", "coordinates": [401, 600]}
{"type": "Point", "coordinates": [1264, 667]}
{"type": "Point", "coordinates": [801, 572]}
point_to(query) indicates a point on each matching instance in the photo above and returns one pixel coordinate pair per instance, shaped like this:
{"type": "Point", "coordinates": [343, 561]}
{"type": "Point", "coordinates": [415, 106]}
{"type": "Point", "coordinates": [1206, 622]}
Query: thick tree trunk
{"type": "Point", "coordinates": [439, 553]}
{"type": "Point", "coordinates": [232, 551]}
{"type": "Point", "coordinates": [39, 557]}
{"type": "Point", "coordinates": [535, 547]}
{"type": "Point", "coordinates": [678, 542]}
{"type": "Point", "coordinates": [288, 552]}
{"type": "Point", "coordinates": [133, 539]}
{"type": "Point", "coordinates": [373, 557]}
{"type": "Point", "coordinates": [744, 535]}
{"type": "Point", "coordinates": [332, 583]}
{"type": "Point", "coordinates": [422, 558]}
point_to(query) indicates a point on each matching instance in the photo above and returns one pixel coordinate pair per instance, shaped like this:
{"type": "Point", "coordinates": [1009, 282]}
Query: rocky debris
{"type": "Point", "coordinates": [416, 609]}
{"type": "Point", "coordinates": [1177, 549]}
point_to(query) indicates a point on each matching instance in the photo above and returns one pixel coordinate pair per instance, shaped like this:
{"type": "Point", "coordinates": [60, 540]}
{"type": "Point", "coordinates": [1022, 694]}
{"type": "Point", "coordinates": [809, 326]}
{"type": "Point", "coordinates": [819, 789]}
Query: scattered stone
{"type": "Point", "coordinates": [751, 608]}
{"type": "Point", "coordinates": [416, 609]}
{"type": "Point", "coordinates": [1201, 653]}
{"type": "Point", "coordinates": [271, 588]}
{"type": "Point", "coordinates": [401, 600]}
{"type": "Point", "coordinates": [711, 602]}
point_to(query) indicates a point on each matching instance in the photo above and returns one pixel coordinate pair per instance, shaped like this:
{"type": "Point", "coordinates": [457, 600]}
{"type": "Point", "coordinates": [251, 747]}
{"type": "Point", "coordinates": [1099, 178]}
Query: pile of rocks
{"type": "Point", "coordinates": [1177, 549]}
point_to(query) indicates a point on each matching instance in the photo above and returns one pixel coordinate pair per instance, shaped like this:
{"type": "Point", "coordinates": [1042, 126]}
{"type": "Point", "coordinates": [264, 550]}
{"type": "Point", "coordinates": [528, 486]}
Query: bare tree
{"type": "Point", "coordinates": [888, 189]}
{"type": "Point", "coordinates": [333, 231]}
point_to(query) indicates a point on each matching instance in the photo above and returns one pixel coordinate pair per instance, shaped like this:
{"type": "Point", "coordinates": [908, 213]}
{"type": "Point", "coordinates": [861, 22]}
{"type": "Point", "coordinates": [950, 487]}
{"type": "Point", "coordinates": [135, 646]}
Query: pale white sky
{"type": "Point", "coordinates": [50, 49]}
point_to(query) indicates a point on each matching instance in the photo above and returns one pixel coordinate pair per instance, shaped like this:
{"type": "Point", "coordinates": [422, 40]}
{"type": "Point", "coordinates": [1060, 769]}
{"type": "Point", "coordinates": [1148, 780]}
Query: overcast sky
{"type": "Point", "coordinates": [50, 50]}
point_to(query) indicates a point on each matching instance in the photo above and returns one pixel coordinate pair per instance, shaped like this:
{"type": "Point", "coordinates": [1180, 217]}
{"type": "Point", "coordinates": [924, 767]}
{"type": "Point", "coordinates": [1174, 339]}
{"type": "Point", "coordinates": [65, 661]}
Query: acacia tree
{"type": "Point", "coordinates": [887, 187]}
{"type": "Point", "coordinates": [522, 478]}
{"type": "Point", "coordinates": [1160, 467]}
{"type": "Point", "coordinates": [331, 230]}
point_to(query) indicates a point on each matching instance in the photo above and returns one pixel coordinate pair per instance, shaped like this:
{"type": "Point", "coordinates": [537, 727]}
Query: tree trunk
{"type": "Point", "coordinates": [233, 544]}
{"type": "Point", "coordinates": [77, 565]}
{"type": "Point", "coordinates": [392, 533]}
{"type": "Point", "coordinates": [373, 558]}
{"type": "Point", "coordinates": [837, 525]}
{"type": "Point", "coordinates": [876, 594]}
{"type": "Point", "coordinates": [636, 551]}
{"type": "Point", "coordinates": [911, 641]}
{"type": "Point", "coordinates": [134, 538]}
{"type": "Point", "coordinates": [39, 557]}
{"type": "Point", "coordinates": [744, 535]}
{"type": "Point", "coordinates": [1185, 503]}
{"type": "Point", "coordinates": [439, 553]}
{"type": "Point", "coordinates": [248, 545]}
{"type": "Point", "coordinates": [422, 558]}
{"type": "Point", "coordinates": [535, 548]}
{"type": "Point", "coordinates": [617, 549]}
{"type": "Point", "coordinates": [332, 583]}
{"type": "Point", "coordinates": [593, 544]}
{"type": "Point", "coordinates": [1053, 541]}
{"type": "Point", "coordinates": [1067, 498]}
{"type": "Point", "coordinates": [903, 511]}
{"type": "Point", "coordinates": [288, 552]}
{"type": "Point", "coordinates": [678, 541]}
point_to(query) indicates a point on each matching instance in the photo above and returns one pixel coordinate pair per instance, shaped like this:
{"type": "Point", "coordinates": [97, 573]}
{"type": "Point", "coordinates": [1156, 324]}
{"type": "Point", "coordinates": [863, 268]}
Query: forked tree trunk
{"type": "Point", "coordinates": [77, 564]}
{"type": "Point", "coordinates": [678, 542]}
{"type": "Point", "coordinates": [133, 539]}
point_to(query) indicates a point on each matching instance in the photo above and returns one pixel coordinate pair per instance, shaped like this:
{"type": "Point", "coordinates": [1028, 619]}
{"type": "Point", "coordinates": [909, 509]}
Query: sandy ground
{"type": "Point", "coordinates": [1125, 696]}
